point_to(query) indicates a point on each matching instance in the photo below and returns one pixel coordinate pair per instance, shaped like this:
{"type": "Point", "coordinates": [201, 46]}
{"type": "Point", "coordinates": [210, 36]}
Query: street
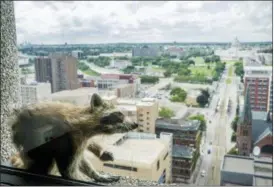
{"type": "Point", "coordinates": [218, 132]}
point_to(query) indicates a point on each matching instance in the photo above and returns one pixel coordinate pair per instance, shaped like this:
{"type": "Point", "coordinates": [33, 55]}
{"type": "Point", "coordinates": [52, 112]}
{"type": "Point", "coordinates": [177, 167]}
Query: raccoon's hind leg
{"type": "Point", "coordinates": [87, 168]}
{"type": "Point", "coordinates": [97, 150]}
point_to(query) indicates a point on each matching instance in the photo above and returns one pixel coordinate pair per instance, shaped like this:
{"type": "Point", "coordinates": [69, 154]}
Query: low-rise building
{"type": "Point", "coordinates": [175, 51]}
{"type": "Point", "coordinates": [34, 92]}
{"type": "Point", "coordinates": [134, 156]}
{"type": "Point", "coordinates": [184, 160]}
{"type": "Point", "coordinates": [146, 51]}
{"type": "Point", "coordinates": [246, 171]}
{"type": "Point", "coordinates": [187, 133]}
{"type": "Point", "coordinates": [80, 96]}
{"type": "Point", "coordinates": [125, 91]}
{"type": "Point", "coordinates": [144, 111]}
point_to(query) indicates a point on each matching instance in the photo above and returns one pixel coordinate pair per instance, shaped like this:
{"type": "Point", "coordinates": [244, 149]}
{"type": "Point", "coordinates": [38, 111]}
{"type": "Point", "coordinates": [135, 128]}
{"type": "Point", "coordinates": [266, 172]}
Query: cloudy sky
{"type": "Point", "coordinates": [53, 22]}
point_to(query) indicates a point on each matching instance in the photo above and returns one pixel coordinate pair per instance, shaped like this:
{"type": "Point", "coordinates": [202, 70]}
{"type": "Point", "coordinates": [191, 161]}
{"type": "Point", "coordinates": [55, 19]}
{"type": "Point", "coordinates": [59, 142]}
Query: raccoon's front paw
{"type": "Point", "coordinates": [106, 156]}
{"type": "Point", "coordinates": [114, 178]}
{"type": "Point", "coordinates": [16, 161]}
{"type": "Point", "coordinates": [107, 179]}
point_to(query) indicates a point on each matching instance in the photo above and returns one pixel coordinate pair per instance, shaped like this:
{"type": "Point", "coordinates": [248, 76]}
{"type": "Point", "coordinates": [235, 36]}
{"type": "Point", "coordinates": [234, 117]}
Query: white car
{"type": "Point", "coordinates": [203, 173]}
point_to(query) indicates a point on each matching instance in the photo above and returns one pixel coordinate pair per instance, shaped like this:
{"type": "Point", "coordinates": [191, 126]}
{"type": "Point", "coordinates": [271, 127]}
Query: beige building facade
{"type": "Point", "coordinates": [144, 111]}
{"type": "Point", "coordinates": [135, 158]}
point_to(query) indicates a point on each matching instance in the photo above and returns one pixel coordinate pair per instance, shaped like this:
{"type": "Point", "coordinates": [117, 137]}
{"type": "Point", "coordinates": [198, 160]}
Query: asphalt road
{"type": "Point", "coordinates": [218, 132]}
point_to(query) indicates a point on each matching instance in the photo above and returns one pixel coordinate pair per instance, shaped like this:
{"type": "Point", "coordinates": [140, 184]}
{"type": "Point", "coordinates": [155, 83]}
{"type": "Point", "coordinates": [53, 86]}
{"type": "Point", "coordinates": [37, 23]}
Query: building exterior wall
{"type": "Point", "coordinates": [64, 72]}
{"type": "Point", "coordinates": [147, 115]}
{"type": "Point", "coordinates": [43, 70]}
{"type": "Point", "coordinates": [158, 170]}
{"type": "Point", "coordinates": [31, 94]}
{"type": "Point", "coordinates": [145, 51]}
{"type": "Point", "coordinates": [266, 141]}
{"type": "Point", "coordinates": [126, 91]}
{"type": "Point", "coordinates": [10, 83]}
{"type": "Point", "coordinates": [259, 79]}
{"type": "Point", "coordinates": [244, 139]}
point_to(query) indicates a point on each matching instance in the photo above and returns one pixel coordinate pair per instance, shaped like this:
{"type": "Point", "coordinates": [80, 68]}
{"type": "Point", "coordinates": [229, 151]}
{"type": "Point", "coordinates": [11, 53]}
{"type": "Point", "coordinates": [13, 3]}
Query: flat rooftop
{"type": "Point", "coordinates": [133, 150]}
{"type": "Point", "coordinates": [132, 108]}
{"type": "Point", "coordinates": [262, 181]}
{"type": "Point", "coordinates": [182, 151]}
{"type": "Point", "coordinates": [77, 92]}
{"type": "Point", "coordinates": [192, 125]}
{"type": "Point", "coordinates": [238, 164]}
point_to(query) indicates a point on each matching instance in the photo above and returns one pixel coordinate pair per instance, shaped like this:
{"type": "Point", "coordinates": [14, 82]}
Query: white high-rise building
{"type": "Point", "coordinates": [35, 92]}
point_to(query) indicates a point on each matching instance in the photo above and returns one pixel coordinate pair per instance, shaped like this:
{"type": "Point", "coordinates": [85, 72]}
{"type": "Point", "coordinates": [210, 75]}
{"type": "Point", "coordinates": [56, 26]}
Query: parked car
{"type": "Point", "coordinates": [203, 173]}
{"type": "Point", "coordinates": [208, 151]}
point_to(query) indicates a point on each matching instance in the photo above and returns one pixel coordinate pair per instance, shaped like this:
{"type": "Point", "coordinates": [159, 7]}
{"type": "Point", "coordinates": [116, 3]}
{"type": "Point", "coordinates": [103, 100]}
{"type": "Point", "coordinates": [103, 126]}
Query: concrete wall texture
{"type": "Point", "coordinates": [10, 83]}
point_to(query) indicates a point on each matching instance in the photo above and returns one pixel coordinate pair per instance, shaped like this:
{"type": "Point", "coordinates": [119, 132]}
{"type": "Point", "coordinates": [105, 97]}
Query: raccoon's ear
{"type": "Point", "coordinates": [95, 101]}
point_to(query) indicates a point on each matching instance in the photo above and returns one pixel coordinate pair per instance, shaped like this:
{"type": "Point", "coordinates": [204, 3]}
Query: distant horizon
{"type": "Point", "coordinates": [242, 42]}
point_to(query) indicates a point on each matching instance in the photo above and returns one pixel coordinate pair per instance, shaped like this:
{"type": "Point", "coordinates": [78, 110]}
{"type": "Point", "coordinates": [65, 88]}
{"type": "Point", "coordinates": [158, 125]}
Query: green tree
{"type": "Point", "coordinates": [191, 62]}
{"type": "Point", "coordinates": [202, 100]}
{"type": "Point", "coordinates": [233, 137]}
{"type": "Point", "coordinates": [175, 91]}
{"type": "Point", "coordinates": [178, 95]}
{"type": "Point", "coordinates": [233, 151]}
{"type": "Point", "coordinates": [149, 79]}
{"type": "Point", "coordinates": [167, 73]}
{"type": "Point", "coordinates": [202, 120]}
{"type": "Point", "coordinates": [166, 112]}
{"type": "Point", "coordinates": [234, 123]}
{"type": "Point", "coordinates": [207, 60]}
{"type": "Point", "coordinates": [184, 72]}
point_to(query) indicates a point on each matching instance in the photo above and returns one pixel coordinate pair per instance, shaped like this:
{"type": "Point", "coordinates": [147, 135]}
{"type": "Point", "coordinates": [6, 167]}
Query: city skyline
{"type": "Point", "coordinates": [114, 22]}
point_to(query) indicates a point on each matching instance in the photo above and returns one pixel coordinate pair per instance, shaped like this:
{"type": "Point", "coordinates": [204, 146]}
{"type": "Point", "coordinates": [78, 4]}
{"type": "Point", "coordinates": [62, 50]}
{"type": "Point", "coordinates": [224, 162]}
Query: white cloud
{"type": "Point", "coordinates": [142, 21]}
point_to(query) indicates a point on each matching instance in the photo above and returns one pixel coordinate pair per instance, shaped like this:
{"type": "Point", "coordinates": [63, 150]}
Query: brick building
{"type": "Point", "coordinates": [254, 129]}
{"type": "Point", "coordinates": [187, 133]}
{"type": "Point", "coordinates": [259, 79]}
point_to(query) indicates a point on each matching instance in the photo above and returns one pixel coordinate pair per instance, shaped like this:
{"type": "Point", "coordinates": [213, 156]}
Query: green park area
{"type": "Point", "coordinates": [198, 60]}
{"type": "Point", "coordinates": [91, 72]}
{"type": "Point", "coordinates": [200, 70]}
{"type": "Point", "coordinates": [228, 81]}
{"type": "Point", "coordinates": [230, 71]}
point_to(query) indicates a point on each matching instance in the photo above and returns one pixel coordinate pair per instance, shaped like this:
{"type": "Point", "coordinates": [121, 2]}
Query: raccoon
{"type": "Point", "coordinates": [69, 149]}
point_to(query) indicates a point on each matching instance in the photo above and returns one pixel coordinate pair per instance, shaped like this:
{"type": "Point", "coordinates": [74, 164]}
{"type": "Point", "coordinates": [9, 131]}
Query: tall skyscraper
{"type": "Point", "coordinates": [59, 69]}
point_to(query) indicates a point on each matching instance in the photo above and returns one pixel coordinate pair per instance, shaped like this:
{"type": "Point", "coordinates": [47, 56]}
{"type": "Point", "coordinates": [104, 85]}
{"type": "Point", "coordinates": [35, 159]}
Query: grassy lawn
{"type": "Point", "coordinates": [202, 70]}
{"type": "Point", "coordinates": [157, 69]}
{"type": "Point", "coordinates": [198, 60]}
{"type": "Point", "coordinates": [231, 62]}
{"type": "Point", "coordinates": [191, 101]}
{"type": "Point", "coordinates": [230, 71]}
{"type": "Point", "coordinates": [91, 72]}
{"type": "Point", "coordinates": [228, 81]}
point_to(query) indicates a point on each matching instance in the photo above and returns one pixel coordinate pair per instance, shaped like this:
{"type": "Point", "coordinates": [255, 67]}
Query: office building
{"type": "Point", "coordinates": [35, 92]}
{"type": "Point", "coordinates": [146, 51]}
{"type": "Point", "coordinates": [246, 171]}
{"type": "Point", "coordinates": [135, 157]}
{"type": "Point", "coordinates": [59, 69]}
{"type": "Point", "coordinates": [258, 78]}
{"type": "Point", "coordinates": [144, 111]}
